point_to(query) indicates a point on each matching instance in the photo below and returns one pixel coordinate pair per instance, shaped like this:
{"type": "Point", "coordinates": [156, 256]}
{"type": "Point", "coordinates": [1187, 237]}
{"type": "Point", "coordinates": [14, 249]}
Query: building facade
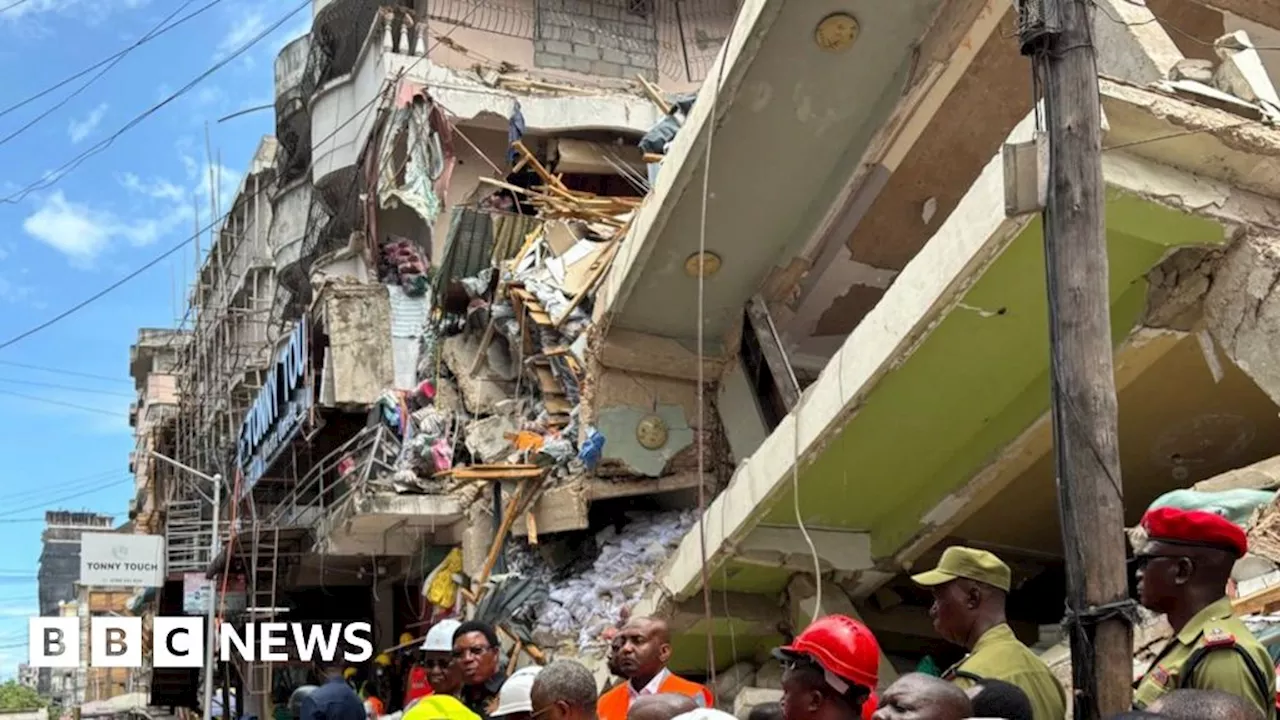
{"type": "Point", "coordinates": [60, 567]}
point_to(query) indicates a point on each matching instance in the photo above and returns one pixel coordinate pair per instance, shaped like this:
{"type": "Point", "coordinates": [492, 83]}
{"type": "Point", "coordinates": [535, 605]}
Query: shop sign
{"type": "Point", "coordinates": [121, 560]}
{"type": "Point", "coordinates": [277, 413]}
{"type": "Point", "coordinates": [197, 590]}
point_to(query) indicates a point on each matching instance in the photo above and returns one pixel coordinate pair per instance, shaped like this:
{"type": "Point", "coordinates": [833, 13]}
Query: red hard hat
{"type": "Point", "coordinates": [842, 646]}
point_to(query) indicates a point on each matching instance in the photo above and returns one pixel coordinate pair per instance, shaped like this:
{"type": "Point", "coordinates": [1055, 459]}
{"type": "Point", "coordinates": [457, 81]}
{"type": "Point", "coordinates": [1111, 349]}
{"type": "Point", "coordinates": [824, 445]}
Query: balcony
{"type": "Point", "coordinates": [289, 224]}
{"type": "Point", "coordinates": [339, 27]}
{"type": "Point", "coordinates": [291, 71]}
{"type": "Point", "coordinates": [295, 81]}
{"type": "Point", "coordinates": [344, 108]}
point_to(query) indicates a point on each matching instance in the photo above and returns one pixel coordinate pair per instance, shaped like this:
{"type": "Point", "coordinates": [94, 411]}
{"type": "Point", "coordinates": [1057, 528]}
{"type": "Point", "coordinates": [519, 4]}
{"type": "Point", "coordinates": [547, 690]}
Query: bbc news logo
{"type": "Point", "coordinates": [179, 642]}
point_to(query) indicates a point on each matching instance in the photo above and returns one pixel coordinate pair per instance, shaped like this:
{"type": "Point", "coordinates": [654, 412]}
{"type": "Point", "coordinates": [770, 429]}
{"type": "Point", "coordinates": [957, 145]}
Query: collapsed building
{"type": "Point", "coordinates": [496, 328]}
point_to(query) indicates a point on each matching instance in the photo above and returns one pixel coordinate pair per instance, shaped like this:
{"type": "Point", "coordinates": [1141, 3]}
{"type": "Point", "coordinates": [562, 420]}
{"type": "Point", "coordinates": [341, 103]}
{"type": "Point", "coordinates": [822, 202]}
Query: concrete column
{"type": "Point", "coordinates": [802, 592]}
{"type": "Point", "coordinates": [384, 615]}
{"type": "Point", "coordinates": [477, 537]}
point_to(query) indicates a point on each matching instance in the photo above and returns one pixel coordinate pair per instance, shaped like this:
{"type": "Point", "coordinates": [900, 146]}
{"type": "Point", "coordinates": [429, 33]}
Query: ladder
{"type": "Point", "coordinates": [262, 603]}
{"type": "Point", "coordinates": [186, 536]}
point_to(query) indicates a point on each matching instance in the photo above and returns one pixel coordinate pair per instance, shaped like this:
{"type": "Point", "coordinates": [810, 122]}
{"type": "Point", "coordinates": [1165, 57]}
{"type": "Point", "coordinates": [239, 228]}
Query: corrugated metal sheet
{"type": "Point", "coordinates": [408, 314]}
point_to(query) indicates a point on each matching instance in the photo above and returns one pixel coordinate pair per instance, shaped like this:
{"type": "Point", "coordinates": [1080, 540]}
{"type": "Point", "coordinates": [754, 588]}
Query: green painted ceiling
{"type": "Point", "coordinates": [977, 382]}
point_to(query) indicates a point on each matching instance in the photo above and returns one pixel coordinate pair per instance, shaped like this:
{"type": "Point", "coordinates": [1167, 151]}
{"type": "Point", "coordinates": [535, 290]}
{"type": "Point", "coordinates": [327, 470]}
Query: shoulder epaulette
{"type": "Point", "coordinates": [1217, 637]}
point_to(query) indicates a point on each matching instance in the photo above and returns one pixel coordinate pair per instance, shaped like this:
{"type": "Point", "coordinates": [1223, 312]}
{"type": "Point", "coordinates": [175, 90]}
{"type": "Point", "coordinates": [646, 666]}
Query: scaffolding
{"type": "Point", "coordinates": [222, 366]}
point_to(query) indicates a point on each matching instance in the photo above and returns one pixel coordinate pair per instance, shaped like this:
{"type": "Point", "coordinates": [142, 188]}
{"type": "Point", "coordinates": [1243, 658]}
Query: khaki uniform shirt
{"type": "Point", "coordinates": [999, 655]}
{"type": "Point", "coordinates": [1223, 668]}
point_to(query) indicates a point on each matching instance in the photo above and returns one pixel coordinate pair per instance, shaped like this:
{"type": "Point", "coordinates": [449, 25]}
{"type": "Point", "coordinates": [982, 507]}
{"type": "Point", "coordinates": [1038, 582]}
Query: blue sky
{"type": "Point", "coordinates": [65, 438]}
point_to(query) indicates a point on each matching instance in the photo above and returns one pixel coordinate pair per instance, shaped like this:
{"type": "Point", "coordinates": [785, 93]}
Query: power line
{"type": "Point", "coordinates": [70, 485]}
{"type": "Point", "coordinates": [59, 371]}
{"type": "Point", "coordinates": [12, 5]}
{"type": "Point", "coordinates": [163, 256]}
{"type": "Point", "coordinates": [108, 289]}
{"type": "Point", "coordinates": [56, 386]}
{"type": "Point", "coordinates": [59, 403]}
{"type": "Point", "coordinates": [51, 178]}
{"type": "Point", "coordinates": [57, 500]}
{"type": "Point", "coordinates": [119, 57]}
{"type": "Point", "coordinates": [155, 33]}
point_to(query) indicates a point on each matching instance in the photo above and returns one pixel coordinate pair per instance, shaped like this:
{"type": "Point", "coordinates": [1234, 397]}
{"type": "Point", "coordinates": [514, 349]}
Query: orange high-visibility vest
{"type": "Point", "coordinates": [614, 704]}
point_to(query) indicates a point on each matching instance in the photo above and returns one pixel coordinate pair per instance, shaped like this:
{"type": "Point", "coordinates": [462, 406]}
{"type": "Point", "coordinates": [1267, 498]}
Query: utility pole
{"type": "Point", "coordinates": [214, 547]}
{"type": "Point", "coordinates": [211, 635]}
{"type": "Point", "coordinates": [1058, 34]}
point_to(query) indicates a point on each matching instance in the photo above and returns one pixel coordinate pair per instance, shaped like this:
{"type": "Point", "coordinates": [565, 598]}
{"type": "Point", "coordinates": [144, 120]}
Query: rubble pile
{"type": "Point", "coordinates": [499, 353]}
{"type": "Point", "coordinates": [589, 601]}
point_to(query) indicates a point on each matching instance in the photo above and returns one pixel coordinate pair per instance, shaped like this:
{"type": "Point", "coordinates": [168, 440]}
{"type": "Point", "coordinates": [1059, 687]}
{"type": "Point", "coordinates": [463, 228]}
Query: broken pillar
{"type": "Point", "coordinates": [1243, 309]}
{"type": "Point", "coordinates": [802, 592]}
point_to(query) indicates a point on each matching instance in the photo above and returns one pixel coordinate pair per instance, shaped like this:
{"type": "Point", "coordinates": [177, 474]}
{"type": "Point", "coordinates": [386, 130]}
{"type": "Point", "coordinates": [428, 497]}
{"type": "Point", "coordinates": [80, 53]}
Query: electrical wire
{"type": "Point", "coordinates": [61, 499]}
{"type": "Point", "coordinates": [68, 80]}
{"type": "Point", "coordinates": [59, 403]}
{"type": "Point", "coordinates": [702, 386]}
{"type": "Point", "coordinates": [13, 5]}
{"type": "Point", "coordinates": [1164, 23]}
{"type": "Point", "coordinates": [115, 60]}
{"type": "Point", "coordinates": [53, 177]}
{"type": "Point", "coordinates": [59, 371]}
{"type": "Point", "coordinates": [43, 488]}
{"type": "Point", "coordinates": [56, 386]}
{"type": "Point", "coordinates": [181, 245]}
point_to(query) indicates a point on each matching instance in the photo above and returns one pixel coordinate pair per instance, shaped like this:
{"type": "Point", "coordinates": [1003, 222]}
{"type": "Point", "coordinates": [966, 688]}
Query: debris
{"type": "Point", "coordinates": [592, 448]}
{"type": "Point", "coordinates": [582, 605]}
{"type": "Point", "coordinates": [487, 439]}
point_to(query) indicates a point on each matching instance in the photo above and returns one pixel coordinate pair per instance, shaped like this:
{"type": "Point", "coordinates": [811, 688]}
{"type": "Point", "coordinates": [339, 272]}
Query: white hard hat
{"type": "Point", "coordinates": [440, 636]}
{"type": "Point", "coordinates": [514, 695]}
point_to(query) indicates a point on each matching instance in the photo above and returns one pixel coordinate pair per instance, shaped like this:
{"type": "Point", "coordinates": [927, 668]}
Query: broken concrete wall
{"type": "Point", "coordinates": [358, 363]}
{"type": "Point", "coordinates": [1243, 309]}
{"type": "Point", "coordinates": [643, 397]}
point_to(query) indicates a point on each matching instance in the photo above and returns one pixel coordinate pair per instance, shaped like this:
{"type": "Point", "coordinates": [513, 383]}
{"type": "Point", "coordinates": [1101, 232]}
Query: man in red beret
{"type": "Point", "coordinates": [1183, 569]}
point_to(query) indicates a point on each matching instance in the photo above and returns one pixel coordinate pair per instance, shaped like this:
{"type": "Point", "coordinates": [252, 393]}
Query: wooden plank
{"type": "Point", "coordinates": [556, 404]}
{"type": "Point", "coordinates": [775, 357]}
{"type": "Point", "coordinates": [1259, 602]}
{"type": "Point", "coordinates": [547, 381]}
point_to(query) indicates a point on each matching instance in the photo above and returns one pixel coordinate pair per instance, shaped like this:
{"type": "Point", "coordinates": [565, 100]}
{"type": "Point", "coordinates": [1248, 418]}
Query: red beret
{"type": "Point", "coordinates": [1195, 527]}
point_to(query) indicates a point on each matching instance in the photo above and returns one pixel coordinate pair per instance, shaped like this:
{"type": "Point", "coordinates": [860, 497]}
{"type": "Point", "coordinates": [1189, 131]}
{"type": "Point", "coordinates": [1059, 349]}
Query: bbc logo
{"type": "Point", "coordinates": [54, 642]}
{"type": "Point", "coordinates": [178, 641]}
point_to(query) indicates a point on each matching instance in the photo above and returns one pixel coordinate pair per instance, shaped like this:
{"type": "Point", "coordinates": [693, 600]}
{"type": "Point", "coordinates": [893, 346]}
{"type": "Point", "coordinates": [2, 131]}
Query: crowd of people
{"type": "Point", "coordinates": [1212, 668]}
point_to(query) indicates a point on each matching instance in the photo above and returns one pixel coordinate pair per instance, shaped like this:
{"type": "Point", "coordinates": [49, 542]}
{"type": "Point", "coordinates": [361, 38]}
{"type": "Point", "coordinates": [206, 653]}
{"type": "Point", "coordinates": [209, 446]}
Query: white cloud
{"type": "Point", "coordinates": [205, 176]}
{"type": "Point", "coordinates": [75, 230]}
{"type": "Point", "coordinates": [158, 190]}
{"type": "Point", "coordinates": [83, 233]}
{"type": "Point", "coordinates": [246, 27]}
{"type": "Point", "coordinates": [91, 12]}
{"type": "Point", "coordinates": [14, 293]}
{"type": "Point", "coordinates": [81, 129]}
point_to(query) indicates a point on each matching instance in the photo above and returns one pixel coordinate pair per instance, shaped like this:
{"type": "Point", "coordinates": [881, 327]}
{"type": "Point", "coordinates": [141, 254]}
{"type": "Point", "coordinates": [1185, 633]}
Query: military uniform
{"type": "Point", "coordinates": [1215, 651]}
{"type": "Point", "coordinates": [997, 655]}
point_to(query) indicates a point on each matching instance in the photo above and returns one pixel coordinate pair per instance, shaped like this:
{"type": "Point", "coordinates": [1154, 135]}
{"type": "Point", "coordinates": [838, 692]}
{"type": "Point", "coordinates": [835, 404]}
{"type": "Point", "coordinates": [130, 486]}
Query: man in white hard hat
{"type": "Point", "coordinates": [514, 699]}
{"type": "Point", "coordinates": [443, 672]}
